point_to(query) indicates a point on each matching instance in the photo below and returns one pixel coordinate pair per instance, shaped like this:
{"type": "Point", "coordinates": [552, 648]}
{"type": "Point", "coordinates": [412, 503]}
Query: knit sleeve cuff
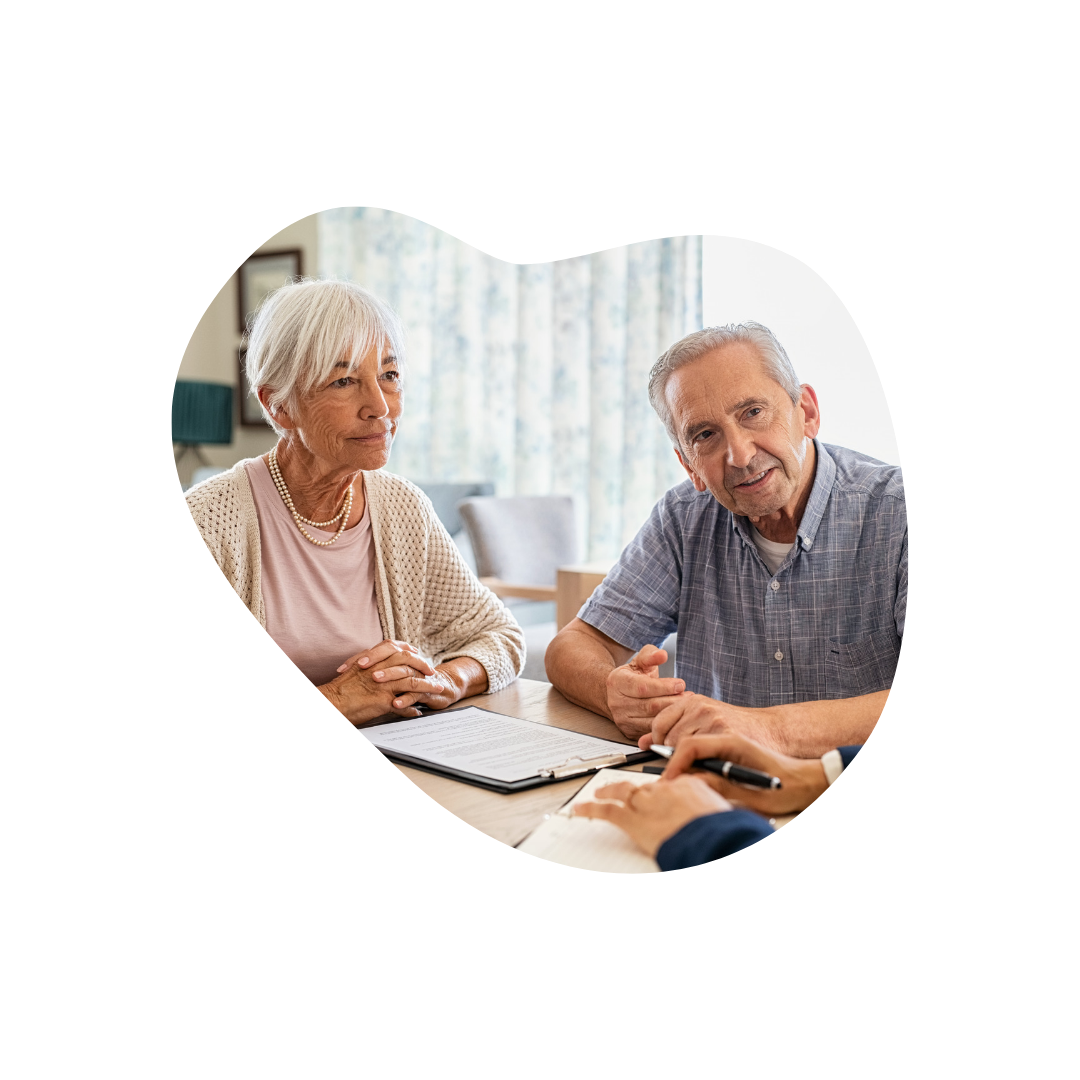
{"type": "Point", "coordinates": [500, 653]}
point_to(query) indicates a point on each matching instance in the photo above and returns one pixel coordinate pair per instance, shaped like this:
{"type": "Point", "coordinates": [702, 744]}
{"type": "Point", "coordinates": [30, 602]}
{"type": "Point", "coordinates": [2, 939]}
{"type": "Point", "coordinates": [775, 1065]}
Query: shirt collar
{"type": "Point", "coordinates": [824, 478]}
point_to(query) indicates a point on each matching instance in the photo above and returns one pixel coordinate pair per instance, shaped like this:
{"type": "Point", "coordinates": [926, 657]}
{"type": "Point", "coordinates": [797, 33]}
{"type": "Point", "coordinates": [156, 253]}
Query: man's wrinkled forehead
{"type": "Point", "coordinates": [732, 376]}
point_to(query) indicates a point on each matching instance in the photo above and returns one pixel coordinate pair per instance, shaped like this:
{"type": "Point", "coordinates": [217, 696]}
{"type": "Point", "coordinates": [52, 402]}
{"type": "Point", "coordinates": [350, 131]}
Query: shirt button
{"type": "Point", "coordinates": [774, 586]}
{"type": "Point", "coordinates": [778, 654]}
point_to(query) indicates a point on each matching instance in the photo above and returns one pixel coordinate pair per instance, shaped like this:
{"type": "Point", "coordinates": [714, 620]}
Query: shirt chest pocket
{"type": "Point", "coordinates": [861, 665]}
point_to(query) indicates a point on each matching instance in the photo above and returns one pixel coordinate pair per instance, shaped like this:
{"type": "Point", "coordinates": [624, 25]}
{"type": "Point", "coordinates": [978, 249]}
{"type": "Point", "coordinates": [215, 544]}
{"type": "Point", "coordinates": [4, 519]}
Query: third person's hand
{"type": "Point", "coordinates": [802, 779]}
{"type": "Point", "coordinates": [651, 813]}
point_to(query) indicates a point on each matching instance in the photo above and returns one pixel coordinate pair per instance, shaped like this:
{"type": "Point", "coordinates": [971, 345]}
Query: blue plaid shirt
{"type": "Point", "coordinates": [827, 624]}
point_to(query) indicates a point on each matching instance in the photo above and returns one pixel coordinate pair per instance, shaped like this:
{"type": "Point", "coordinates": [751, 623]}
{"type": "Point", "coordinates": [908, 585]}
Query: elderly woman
{"type": "Point", "coordinates": [347, 567]}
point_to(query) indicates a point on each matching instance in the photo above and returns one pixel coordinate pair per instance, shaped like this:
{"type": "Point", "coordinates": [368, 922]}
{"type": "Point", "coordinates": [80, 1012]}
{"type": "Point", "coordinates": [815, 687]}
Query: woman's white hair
{"type": "Point", "coordinates": [694, 346]}
{"type": "Point", "coordinates": [302, 331]}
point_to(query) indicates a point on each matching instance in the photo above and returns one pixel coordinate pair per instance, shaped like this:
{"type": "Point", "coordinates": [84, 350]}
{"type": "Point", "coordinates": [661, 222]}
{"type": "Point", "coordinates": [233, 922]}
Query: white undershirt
{"type": "Point", "coordinates": [774, 554]}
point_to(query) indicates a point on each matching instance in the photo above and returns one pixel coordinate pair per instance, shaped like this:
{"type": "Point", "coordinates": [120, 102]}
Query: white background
{"type": "Point", "coordinates": [742, 280]}
{"type": "Point", "coordinates": [115, 968]}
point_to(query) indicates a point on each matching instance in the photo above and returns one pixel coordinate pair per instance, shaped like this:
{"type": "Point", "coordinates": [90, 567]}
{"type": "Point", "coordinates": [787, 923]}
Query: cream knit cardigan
{"type": "Point", "coordinates": [426, 594]}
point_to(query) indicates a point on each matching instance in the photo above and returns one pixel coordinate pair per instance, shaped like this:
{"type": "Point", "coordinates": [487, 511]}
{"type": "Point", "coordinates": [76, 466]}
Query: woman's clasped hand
{"type": "Point", "coordinates": [393, 677]}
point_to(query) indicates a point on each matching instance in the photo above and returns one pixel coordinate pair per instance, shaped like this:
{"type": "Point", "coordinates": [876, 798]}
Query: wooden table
{"type": "Point", "coordinates": [510, 818]}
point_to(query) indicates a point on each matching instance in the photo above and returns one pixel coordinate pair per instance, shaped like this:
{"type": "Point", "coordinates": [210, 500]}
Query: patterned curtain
{"type": "Point", "coordinates": [532, 376]}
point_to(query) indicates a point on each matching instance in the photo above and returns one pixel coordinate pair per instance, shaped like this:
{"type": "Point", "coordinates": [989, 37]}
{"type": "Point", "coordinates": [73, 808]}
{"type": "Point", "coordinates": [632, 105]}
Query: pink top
{"type": "Point", "coordinates": [320, 601]}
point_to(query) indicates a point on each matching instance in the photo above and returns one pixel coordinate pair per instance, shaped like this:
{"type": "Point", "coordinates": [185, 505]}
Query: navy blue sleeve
{"type": "Point", "coordinates": [711, 837]}
{"type": "Point", "coordinates": [847, 754]}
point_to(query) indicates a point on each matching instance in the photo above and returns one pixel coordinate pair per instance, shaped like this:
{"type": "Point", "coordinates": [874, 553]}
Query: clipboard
{"type": "Point", "coordinates": [549, 772]}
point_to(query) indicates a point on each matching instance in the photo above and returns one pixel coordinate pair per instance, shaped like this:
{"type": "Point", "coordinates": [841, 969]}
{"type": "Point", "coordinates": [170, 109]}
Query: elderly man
{"type": "Point", "coordinates": [782, 563]}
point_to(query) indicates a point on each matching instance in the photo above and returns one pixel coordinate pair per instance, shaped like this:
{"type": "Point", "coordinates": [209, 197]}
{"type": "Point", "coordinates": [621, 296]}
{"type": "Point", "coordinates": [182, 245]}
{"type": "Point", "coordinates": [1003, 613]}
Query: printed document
{"type": "Point", "coordinates": [488, 744]}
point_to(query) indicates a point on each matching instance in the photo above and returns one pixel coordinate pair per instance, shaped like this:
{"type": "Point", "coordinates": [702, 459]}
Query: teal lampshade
{"type": "Point", "coordinates": [202, 412]}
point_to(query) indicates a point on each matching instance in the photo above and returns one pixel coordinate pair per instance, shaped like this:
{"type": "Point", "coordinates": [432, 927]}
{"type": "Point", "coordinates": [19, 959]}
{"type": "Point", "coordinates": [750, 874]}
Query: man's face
{"type": "Point", "coordinates": [742, 437]}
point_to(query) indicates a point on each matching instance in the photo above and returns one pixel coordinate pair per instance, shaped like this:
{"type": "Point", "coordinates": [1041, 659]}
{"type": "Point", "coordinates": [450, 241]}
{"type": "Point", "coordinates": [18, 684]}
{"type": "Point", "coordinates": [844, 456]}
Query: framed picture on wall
{"type": "Point", "coordinates": [262, 274]}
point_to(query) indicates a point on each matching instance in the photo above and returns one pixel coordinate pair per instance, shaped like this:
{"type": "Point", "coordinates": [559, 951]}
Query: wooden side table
{"type": "Point", "coordinates": [574, 585]}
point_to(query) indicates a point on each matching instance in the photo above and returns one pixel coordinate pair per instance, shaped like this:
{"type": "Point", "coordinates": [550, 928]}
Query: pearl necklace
{"type": "Point", "coordinates": [286, 498]}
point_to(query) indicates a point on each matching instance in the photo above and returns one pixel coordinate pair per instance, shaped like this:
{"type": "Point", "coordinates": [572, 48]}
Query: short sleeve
{"type": "Point", "coordinates": [638, 602]}
{"type": "Point", "coordinates": [900, 607]}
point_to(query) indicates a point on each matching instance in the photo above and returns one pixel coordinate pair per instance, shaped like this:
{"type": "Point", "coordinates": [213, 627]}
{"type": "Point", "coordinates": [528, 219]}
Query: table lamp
{"type": "Point", "coordinates": [202, 413]}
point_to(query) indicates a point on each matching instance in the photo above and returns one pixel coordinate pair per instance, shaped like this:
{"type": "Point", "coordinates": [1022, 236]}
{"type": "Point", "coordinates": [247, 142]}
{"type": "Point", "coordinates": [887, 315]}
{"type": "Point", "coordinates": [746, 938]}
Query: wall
{"type": "Point", "coordinates": [740, 280]}
{"type": "Point", "coordinates": [743, 280]}
{"type": "Point", "coordinates": [211, 353]}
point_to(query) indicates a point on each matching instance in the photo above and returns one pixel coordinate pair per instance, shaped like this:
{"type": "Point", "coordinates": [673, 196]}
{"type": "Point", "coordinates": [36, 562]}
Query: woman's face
{"type": "Point", "coordinates": [349, 422]}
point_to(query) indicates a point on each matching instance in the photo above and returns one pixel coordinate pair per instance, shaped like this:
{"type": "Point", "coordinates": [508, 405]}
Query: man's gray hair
{"type": "Point", "coordinates": [303, 330]}
{"type": "Point", "coordinates": [696, 345]}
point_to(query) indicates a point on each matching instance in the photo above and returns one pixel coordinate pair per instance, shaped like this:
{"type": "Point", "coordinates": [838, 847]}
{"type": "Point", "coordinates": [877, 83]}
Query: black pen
{"type": "Point", "coordinates": [740, 774]}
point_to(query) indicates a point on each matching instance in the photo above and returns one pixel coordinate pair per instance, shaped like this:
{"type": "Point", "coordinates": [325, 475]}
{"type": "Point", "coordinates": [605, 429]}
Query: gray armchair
{"type": "Point", "coordinates": [519, 543]}
{"type": "Point", "coordinates": [445, 498]}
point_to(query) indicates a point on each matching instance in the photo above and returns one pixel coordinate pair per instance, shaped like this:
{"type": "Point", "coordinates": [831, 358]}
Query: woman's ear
{"type": "Point", "coordinates": [279, 414]}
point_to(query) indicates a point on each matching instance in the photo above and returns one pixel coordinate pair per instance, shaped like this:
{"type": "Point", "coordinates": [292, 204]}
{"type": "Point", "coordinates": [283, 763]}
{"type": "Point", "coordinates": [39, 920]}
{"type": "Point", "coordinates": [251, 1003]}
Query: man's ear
{"type": "Point", "coordinates": [279, 414]}
{"type": "Point", "coordinates": [699, 484]}
{"type": "Point", "coordinates": [811, 411]}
